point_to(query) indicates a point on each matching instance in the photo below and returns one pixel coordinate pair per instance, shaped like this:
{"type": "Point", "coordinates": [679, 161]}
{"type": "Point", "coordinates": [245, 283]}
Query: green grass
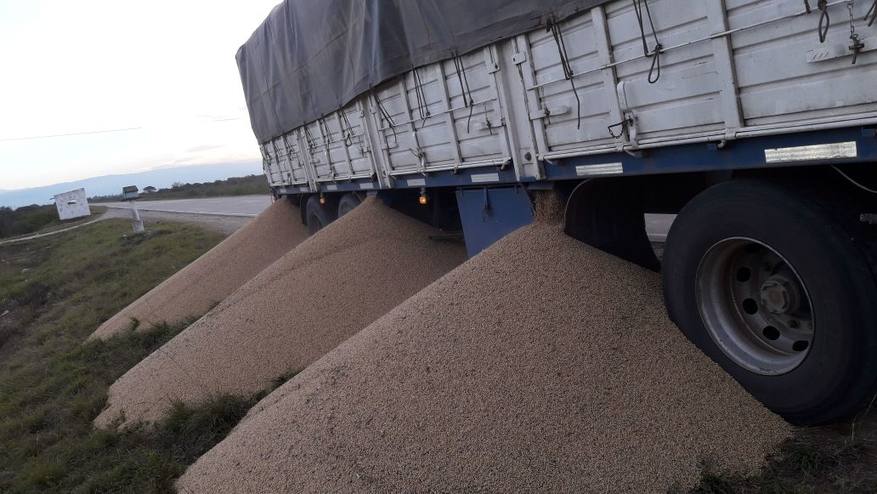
{"type": "Point", "coordinates": [57, 290]}
{"type": "Point", "coordinates": [33, 219]}
{"type": "Point", "coordinates": [839, 458]}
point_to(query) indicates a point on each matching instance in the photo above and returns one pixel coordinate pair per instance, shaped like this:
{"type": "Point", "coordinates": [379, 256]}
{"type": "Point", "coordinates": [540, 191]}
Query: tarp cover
{"type": "Point", "coordinates": [309, 58]}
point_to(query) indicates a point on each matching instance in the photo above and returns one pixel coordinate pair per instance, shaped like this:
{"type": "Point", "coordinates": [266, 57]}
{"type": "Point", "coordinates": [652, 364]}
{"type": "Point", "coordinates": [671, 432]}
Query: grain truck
{"type": "Point", "coordinates": [754, 121]}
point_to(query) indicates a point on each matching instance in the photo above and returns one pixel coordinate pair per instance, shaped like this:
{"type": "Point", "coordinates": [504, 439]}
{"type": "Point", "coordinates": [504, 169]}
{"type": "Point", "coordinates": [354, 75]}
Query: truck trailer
{"type": "Point", "coordinates": [753, 121]}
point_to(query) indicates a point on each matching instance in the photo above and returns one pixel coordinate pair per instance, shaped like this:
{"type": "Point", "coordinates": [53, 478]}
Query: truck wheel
{"type": "Point", "coordinates": [347, 203]}
{"type": "Point", "coordinates": [319, 215]}
{"type": "Point", "coordinates": [771, 286]}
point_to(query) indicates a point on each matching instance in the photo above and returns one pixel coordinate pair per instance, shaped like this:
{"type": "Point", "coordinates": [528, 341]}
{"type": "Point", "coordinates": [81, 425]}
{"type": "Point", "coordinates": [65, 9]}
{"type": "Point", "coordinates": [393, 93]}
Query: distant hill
{"type": "Point", "coordinates": [112, 184]}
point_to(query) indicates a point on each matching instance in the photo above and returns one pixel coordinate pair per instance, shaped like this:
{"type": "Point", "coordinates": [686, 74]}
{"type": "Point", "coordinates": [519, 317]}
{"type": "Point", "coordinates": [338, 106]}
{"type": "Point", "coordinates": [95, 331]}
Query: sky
{"type": "Point", "coordinates": [144, 84]}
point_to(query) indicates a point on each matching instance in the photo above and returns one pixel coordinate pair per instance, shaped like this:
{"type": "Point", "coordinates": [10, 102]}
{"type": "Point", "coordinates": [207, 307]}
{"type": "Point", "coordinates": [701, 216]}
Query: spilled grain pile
{"type": "Point", "coordinates": [319, 294]}
{"type": "Point", "coordinates": [540, 365]}
{"type": "Point", "coordinates": [215, 275]}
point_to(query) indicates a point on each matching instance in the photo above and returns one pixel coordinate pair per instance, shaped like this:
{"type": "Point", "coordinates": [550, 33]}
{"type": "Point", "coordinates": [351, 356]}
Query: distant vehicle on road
{"type": "Point", "coordinates": [130, 193]}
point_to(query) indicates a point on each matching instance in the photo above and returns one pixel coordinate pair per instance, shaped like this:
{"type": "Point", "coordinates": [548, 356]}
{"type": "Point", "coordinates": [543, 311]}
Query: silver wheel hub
{"type": "Point", "coordinates": [754, 306]}
{"type": "Point", "coordinates": [779, 295]}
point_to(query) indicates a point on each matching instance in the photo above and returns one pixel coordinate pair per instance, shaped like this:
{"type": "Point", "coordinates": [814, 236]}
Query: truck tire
{"type": "Point", "coordinates": [318, 216]}
{"type": "Point", "coordinates": [777, 291]}
{"type": "Point", "coordinates": [347, 203]}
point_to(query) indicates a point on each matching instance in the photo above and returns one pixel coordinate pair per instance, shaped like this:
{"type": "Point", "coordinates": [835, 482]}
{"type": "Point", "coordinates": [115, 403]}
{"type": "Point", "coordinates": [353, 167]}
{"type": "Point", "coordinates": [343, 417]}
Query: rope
{"type": "Point", "coordinates": [309, 138]}
{"type": "Point", "coordinates": [856, 44]}
{"type": "Point", "coordinates": [871, 16]}
{"type": "Point", "coordinates": [422, 107]}
{"type": "Point", "coordinates": [824, 20]}
{"type": "Point", "coordinates": [465, 90]}
{"type": "Point", "coordinates": [276, 151]}
{"type": "Point", "coordinates": [324, 131]}
{"type": "Point", "coordinates": [348, 132]}
{"type": "Point", "coordinates": [641, 7]}
{"type": "Point", "coordinates": [386, 116]}
{"type": "Point", "coordinates": [290, 150]}
{"type": "Point", "coordinates": [568, 74]}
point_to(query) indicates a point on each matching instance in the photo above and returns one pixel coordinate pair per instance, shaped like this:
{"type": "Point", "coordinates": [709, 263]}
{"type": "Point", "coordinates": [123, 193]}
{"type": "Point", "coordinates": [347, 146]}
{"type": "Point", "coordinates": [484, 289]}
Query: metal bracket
{"type": "Point", "coordinates": [487, 208]}
{"type": "Point", "coordinates": [834, 51]}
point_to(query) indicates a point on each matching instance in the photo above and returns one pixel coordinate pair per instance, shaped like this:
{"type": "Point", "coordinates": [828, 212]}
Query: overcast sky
{"type": "Point", "coordinates": [164, 70]}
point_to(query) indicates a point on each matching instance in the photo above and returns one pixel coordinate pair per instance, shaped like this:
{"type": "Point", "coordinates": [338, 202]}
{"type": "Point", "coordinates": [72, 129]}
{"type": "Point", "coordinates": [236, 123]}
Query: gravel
{"type": "Point", "coordinates": [208, 280]}
{"type": "Point", "coordinates": [316, 296]}
{"type": "Point", "coordinates": [540, 365]}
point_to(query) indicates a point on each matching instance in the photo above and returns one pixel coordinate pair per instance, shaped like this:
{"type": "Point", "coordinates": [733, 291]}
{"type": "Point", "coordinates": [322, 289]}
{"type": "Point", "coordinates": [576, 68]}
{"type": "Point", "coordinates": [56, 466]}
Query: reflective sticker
{"type": "Point", "coordinates": [416, 182]}
{"type": "Point", "coordinates": [601, 169]}
{"type": "Point", "coordinates": [811, 153]}
{"type": "Point", "coordinates": [485, 177]}
{"type": "Point", "coordinates": [331, 187]}
{"type": "Point", "coordinates": [367, 185]}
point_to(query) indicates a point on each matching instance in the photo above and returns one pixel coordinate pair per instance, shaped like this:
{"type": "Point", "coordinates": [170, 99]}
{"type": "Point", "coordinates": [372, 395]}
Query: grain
{"type": "Point", "coordinates": [540, 365]}
{"type": "Point", "coordinates": [196, 288]}
{"type": "Point", "coordinates": [316, 296]}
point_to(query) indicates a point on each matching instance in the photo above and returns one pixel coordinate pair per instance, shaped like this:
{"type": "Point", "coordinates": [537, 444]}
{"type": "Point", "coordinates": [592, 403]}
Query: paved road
{"type": "Point", "coordinates": [657, 225]}
{"type": "Point", "coordinates": [227, 214]}
{"type": "Point", "coordinates": [246, 206]}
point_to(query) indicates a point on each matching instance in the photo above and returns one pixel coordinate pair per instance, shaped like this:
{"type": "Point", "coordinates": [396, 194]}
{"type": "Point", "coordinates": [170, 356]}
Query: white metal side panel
{"type": "Point", "coordinates": [297, 159]}
{"type": "Point", "coordinates": [339, 147]}
{"type": "Point", "coordinates": [445, 116]}
{"type": "Point", "coordinates": [271, 167]}
{"type": "Point", "coordinates": [686, 98]}
{"type": "Point", "coordinates": [565, 122]}
{"type": "Point", "coordinates": [786, 75]}
{"type": "Point", "coordinates": [423, 97]}
{"type": "Point", "coordinates": [473, 109]}
{"type": "Point", "coordinates": [321, 143]}
{"type": "Point", "coordinates": [396, 134]}
{"type": "Point", "coordinates": [284, 163]}
{"type": "Point", "coordinates": [728, 69]}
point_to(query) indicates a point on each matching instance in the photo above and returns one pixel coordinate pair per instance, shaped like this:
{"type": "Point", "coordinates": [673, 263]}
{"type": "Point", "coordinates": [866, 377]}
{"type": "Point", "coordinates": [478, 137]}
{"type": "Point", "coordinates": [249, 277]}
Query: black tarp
{"type": "Point", "coordinates": [309, 58]}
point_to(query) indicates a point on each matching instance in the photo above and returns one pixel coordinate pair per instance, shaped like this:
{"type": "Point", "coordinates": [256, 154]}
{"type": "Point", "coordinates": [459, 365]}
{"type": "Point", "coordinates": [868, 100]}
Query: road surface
{"type": "Point", "coordinates": [226, 214]}
{"type": "Point", "coordinates": [657, 225]}
{"type": "Point", "coordinates": [246, 206]}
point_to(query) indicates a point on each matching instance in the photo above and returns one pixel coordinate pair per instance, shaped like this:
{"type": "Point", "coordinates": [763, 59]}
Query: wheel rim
{"type": "Point", "coordinates": [755, 306]}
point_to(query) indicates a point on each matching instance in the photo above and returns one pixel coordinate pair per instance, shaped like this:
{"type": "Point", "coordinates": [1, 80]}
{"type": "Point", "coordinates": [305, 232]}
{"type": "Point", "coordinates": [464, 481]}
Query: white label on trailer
{"type": "Point", "coordinates": [416, 182]}
{"type": "Point", "coordinates": [601, 169]}
{"type": "Point", "coordinates": [811, 153]}
{"type": "Point", "coordinates": [485, 177]}
{"type": "Point", "coordinates": [331, 187]}
{"type": "Point", "coordinates": [304, 188]}
{"type": "Point", "coordinates": [367, 185]}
